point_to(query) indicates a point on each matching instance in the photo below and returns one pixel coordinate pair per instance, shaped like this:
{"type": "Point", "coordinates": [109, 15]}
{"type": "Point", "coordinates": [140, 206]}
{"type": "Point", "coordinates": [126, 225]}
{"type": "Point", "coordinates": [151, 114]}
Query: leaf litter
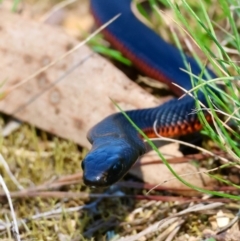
{"type": "Point", "coordinates": [38, 165]}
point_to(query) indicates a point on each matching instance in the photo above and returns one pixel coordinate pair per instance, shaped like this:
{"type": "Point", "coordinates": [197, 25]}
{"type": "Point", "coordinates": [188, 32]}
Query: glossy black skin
{"type": "Point", "coordinates": [116, 145]}
{"type": "Point", "coordinates": [113, 144]}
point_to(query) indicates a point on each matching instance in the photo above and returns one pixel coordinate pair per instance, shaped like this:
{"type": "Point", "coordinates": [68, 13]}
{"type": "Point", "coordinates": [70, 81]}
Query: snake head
{"type": "Point", "coordinates": [106, 164]}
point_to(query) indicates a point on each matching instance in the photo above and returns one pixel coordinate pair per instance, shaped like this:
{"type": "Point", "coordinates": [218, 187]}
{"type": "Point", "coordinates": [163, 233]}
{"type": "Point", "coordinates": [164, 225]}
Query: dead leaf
{"type": "Point", "coordinates": [82, 97]}
{"type": "Point", "coordinates": [159, 174]}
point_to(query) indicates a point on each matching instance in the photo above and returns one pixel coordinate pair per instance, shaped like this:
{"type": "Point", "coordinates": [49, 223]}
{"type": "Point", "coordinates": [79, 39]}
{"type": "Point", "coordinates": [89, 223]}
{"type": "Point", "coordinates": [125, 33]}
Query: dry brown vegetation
{"type": "Point", "coordinates": [43, 175]}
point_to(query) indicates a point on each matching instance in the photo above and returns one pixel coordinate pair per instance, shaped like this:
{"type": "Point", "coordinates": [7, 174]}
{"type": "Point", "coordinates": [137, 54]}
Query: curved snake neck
{"type": "Point", "coordinates": [116, 145]}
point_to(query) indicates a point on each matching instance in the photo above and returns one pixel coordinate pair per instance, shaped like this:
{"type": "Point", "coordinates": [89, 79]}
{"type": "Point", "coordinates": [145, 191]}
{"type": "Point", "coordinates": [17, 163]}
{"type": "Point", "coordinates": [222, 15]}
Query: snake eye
{"type": "Point", "coordinates": [116, 168]}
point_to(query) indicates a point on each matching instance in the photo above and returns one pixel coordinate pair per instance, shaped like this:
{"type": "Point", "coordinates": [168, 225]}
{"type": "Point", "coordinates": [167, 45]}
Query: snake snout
{"type": "Point", "coordinates": [92, 175]}
{"type": "Point", "coordinates": [103, 168]}
{"type": "Point", "coordinates": [95, 181]}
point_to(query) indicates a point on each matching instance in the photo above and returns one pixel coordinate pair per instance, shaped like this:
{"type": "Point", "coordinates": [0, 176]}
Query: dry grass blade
{"type": "Point", "coordinates": [56, 8]}
{"type": "Point", "coordinates": [169, 233]}
{"type": "Point", "coordinates": [52, 213]}
{"type": "Point", "coordinates": [63, 56]}
{"type": "Point", "coordinates": [165, 223]}
{"type": "Point", "coordinates": [53, 204]}
{"type": "Point", "coordinates": [10, 174]}
{"type": "Point", "coordinates": [48, 87]}
{"type": "Point", "coordinates": [187, 144]}
{"type": "Point", "coordinates": [15, 224]}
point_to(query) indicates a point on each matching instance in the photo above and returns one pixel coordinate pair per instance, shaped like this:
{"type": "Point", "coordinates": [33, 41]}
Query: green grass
{"type": "Point", "coordinates": [101, 47]}
{"type": "Point", "coordinates": [204, 30]}
{"type": "Point", "coordinates": [205, 36]}
{"type": "Point", "coordinates": [15, 5]}
{"type": "Point", "coordinates": [34, 158]}
{"type": "Point", "coordinates": [112, 53]}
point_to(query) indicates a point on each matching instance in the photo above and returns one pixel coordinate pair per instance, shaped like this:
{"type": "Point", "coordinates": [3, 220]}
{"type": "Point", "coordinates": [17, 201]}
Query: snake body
{"type": "Point", "coordinates": [116, 145]}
